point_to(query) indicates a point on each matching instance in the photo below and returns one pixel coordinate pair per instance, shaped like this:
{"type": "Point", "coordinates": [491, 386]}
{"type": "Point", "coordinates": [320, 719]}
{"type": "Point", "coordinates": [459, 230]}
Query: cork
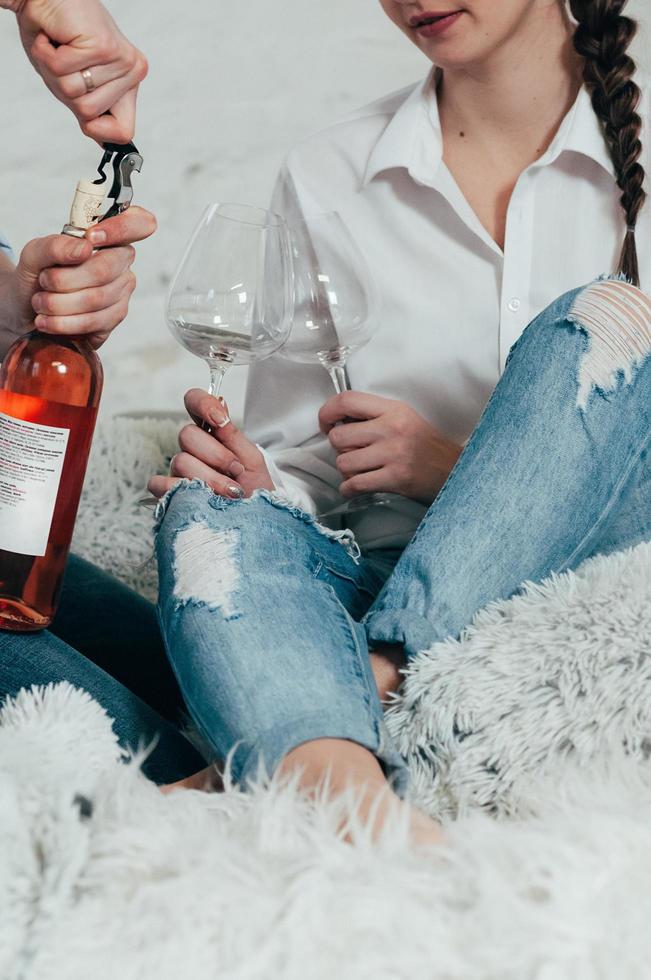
{"type": "Point", "coordinates": [86, 208]}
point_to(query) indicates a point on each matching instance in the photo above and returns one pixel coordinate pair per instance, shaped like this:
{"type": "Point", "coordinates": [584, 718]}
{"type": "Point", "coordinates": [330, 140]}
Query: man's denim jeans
{"type": "Point", "coordinates": [105, 639]}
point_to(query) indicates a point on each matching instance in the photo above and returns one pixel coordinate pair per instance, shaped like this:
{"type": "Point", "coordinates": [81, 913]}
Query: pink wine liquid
{"type": "Point", "coordinates": [49, 396]}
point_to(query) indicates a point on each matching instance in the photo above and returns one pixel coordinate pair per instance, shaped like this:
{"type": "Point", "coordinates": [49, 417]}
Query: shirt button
{"type": "Point", "coordinates": [515, 305]}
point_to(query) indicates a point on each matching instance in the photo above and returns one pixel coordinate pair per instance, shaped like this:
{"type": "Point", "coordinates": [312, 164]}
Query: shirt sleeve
{"type": "Point", "coordinates": [283, 401]}
{"type": "Point", "coordinates": [6, 249]}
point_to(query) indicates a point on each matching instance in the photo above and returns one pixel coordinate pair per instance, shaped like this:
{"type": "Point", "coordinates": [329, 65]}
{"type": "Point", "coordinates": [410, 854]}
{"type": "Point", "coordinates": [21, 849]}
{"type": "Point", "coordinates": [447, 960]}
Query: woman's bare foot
{"type": "Point", "coordinates": [387, 663]}
{"type": "Point", "coordinates": [208, 781]}
{"type": "Point", "coordinates": [338, 766]}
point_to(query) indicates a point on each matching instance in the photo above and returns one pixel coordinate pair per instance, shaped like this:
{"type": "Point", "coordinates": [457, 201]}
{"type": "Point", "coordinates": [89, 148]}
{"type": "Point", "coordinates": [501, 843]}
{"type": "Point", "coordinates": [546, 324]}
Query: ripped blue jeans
{"type": "Point", "coordinates": [268, 618]}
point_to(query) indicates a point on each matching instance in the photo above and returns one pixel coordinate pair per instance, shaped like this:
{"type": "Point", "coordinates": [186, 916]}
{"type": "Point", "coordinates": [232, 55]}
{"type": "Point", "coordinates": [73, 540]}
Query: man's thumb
{"type": "Point", "coordinates": [43, 253]}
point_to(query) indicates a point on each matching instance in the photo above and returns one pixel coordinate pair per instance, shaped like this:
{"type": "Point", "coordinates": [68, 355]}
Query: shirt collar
{"type": "Point", "coordinates": [580, 132]}
{"type": "Point", "coordinates": [413, 139]}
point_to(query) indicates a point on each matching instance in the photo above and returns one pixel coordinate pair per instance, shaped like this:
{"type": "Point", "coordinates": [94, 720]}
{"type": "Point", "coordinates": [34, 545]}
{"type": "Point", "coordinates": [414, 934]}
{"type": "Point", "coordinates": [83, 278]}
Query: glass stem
{"type": "Point", "coordinates": [218, 370]}
{"type": "Point", "coordinates": [339, 377]}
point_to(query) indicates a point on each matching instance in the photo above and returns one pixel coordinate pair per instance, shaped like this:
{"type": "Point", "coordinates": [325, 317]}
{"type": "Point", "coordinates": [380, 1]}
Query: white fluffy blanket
{"type": "Point", "coordinates": [529, 737]}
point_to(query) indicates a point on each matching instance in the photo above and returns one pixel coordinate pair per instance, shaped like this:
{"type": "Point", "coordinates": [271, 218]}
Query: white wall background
{"type": "Point", "coordinates": [231, 87]}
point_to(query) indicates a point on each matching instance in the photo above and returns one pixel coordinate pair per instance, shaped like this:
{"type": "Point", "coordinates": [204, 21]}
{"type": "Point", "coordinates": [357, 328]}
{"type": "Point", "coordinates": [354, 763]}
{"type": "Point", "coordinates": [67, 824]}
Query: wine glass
{"type": "Point", "coordinates": [231, 299]}
{"type": "Point", "coordinates": [336, 306]}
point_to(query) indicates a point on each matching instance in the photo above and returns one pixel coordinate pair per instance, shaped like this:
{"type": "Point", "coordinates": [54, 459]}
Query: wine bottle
{"type": "Point", "coordinates": [50, 388]}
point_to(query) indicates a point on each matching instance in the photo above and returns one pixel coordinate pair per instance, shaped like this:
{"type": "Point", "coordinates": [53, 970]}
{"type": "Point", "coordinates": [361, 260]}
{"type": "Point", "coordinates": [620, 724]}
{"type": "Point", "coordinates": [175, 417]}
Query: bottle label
{"type": "Point", "coordinates": [31, 461]}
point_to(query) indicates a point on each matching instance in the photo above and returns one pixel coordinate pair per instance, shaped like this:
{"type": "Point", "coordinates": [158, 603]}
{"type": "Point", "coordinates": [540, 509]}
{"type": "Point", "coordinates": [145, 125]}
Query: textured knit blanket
{"type": "Point", "coordinates": [529, 737]}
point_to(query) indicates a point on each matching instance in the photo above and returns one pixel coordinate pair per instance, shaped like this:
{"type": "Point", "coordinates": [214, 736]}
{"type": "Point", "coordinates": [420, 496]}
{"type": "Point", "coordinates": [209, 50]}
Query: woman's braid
{"type": "Point", "coordinates": [602, 38]}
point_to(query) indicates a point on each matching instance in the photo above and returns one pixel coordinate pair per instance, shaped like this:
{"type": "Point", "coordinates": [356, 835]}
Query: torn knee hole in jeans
{"type": "Point", "coordinates": [345, 538]}
{"type": "Point", "coordinates": [206, 568]}
{"type": "Point", "coordinates": [616, 317]}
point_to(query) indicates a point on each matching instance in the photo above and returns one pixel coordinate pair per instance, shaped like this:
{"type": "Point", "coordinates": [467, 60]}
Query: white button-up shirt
{"type": "Point", "coordinates": [453, 302]}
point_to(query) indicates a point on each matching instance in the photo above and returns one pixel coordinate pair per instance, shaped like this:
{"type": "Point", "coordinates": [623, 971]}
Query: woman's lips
{"type": "Point", "coordinates": [433, 25]}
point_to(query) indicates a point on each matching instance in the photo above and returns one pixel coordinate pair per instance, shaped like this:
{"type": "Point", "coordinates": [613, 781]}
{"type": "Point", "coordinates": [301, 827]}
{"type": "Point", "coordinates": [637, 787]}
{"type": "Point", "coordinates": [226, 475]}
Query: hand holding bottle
{"type": "Point", "coordinates": [62, 39]}
{"type": "Point", "coordinates": [67, 288]}
{"type": "Point", "coordinates": [50, 388]}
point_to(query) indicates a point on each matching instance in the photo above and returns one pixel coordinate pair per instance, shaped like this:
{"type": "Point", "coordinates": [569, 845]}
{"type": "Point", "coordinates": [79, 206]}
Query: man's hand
{"type": "Point", "coordinates": [62, 38]}
{"type": "Point", "coordinates": [385, 445]}
{"type": "Point", "coordinates": [65, 288]}
{"type": "Point", "coordinates": [223, 457]}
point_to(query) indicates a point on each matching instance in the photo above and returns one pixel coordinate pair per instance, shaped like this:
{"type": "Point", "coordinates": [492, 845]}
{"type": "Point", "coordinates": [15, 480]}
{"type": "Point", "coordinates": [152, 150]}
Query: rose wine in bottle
{"type": "Point", "coordinates": [49, 395]}
{"type": "Point", "coordinates": [50, 389]}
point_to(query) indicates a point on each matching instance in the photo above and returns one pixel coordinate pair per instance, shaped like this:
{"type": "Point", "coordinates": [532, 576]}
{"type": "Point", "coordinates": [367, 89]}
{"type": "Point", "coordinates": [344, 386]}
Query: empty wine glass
{"type": "Point", "coordinates": [231, 299]}
{"type": "Point", "coordinates": [336, 308]}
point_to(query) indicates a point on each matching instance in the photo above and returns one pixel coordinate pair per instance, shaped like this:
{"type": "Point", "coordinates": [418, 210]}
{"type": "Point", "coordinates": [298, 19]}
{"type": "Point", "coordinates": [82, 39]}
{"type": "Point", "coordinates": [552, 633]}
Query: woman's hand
{"type": "Point", "coordinates": [223, 457]}
{"type": "Point", "coordinates": [65, 289]}
{"type": "Point", "coordinates": [386, 446]}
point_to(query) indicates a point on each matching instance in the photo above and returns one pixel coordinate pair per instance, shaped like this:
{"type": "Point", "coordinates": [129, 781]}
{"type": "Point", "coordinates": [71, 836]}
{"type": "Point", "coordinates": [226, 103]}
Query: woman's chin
{"type": "Point", "coordinates": [465, 44]}
{"type": "Point", "coordinates": [449, 60]}
{"type": "Point", "coordinates": [456, 54]}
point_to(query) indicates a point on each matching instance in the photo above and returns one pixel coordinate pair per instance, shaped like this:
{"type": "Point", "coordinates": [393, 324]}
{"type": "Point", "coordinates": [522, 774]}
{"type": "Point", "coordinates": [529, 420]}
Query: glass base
{"type": "Point", "coordinates": [365, 500]}
{"type": "Point", "coordinates": [18, 617]}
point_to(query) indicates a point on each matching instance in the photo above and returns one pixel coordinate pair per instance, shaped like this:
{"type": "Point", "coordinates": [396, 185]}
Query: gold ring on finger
{"type": "Point", "coordinates": [87, 76]}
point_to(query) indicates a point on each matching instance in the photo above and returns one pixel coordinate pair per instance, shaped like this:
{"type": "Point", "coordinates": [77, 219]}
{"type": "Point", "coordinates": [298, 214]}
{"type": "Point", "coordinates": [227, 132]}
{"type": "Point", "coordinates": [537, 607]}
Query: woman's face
{"type": "Point", "coordinates": [454, 34]}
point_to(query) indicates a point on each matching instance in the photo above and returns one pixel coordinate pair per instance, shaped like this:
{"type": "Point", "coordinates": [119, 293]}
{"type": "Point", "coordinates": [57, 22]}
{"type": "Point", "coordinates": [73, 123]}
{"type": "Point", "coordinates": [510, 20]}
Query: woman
{"type": "Point", "coordinates": [508, 178]}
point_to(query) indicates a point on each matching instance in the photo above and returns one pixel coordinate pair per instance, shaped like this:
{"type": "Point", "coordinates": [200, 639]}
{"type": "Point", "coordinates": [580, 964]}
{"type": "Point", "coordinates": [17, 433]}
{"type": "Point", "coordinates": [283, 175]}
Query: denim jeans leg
{"type": "Point", "coordinates": [41, 658]}
{"type": "Point", "coordinates": [118, 630]}
{"type": "Point", "coordinates": [630, 521]}
{"type": "Point", "coordinates": [556, 469]}
{"type": "Point", "coordinates": [259, 608]}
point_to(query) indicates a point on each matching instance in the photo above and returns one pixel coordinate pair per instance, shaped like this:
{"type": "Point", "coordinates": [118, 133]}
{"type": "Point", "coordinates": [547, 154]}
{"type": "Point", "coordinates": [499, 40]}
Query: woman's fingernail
{"type": "Point", "coordinates": [37, 302]}
{"type": "Point", "coordinates": [236, 469]}
{"type": "Point", "coordinates": [97, 236]}
{"type": "Point", "coordinates": [40, 321]}
{"type": "Point", "coordinates": [218, 419]}
{"type": "Point", "coordinates": [148, 502]}
{"type": "Point", "coordinates": [77, 250]}
{"type": "Point", "coordinates": [235, 491]}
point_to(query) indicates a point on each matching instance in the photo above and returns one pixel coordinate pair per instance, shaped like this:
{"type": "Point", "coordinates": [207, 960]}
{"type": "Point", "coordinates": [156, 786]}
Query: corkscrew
{"type": "Point", "coordinates": [91, 195]}
{"type": "Point", "coordinates": [125, 158]}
